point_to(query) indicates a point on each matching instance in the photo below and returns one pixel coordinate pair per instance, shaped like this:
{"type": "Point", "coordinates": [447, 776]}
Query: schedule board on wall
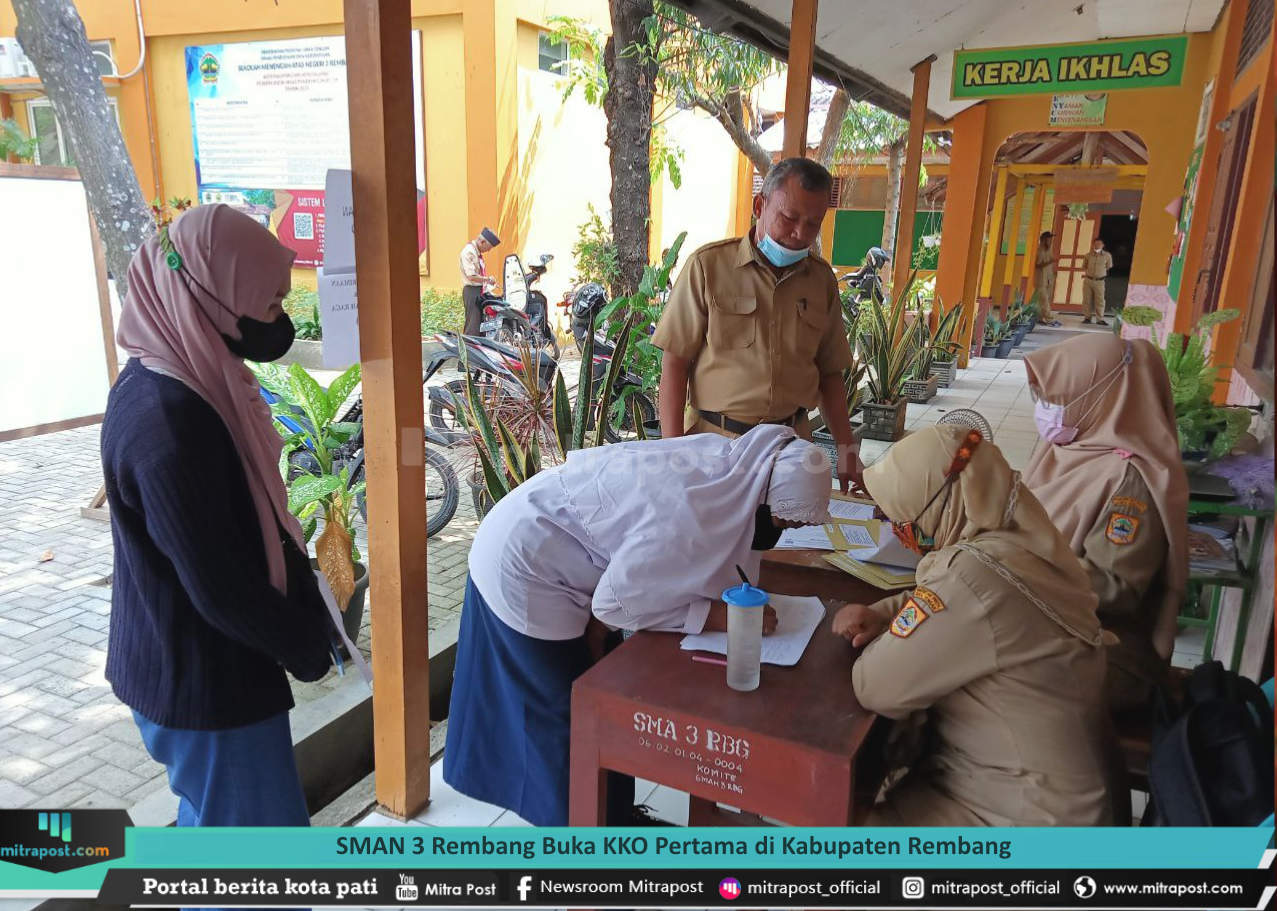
{"type": "Point", "coordinates": [269, 118]}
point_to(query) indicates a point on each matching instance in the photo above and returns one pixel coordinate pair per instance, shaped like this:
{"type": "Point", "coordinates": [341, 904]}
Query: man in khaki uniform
{"type": "Point", "coordinates": [753, 331]}
{"type": "Point", "coordinates": [475, 280]}
{"type": "Point", "coordinates": [1095, 267]}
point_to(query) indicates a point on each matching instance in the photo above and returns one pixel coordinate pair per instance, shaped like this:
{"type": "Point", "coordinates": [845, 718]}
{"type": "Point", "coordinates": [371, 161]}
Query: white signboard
{"type": "Point", "coordinates": [338, 298]}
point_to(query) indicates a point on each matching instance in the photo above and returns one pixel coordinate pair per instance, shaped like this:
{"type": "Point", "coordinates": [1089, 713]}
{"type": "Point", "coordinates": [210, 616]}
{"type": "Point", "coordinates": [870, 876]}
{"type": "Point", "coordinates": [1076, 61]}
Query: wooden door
{"type": "Point", "coordinates": [1223, 210]}
{"type": "Point", "coordinates": [1075, 243]}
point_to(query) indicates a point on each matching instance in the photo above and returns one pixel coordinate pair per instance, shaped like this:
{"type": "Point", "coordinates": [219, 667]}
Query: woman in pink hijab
{"type": "Point", "coordinates": [213, 596]}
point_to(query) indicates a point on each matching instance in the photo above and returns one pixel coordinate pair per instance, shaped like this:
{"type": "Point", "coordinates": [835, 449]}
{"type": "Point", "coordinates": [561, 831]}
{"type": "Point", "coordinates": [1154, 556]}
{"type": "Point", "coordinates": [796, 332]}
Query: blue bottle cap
{"type": "Point", "coordinates": [745, 596]}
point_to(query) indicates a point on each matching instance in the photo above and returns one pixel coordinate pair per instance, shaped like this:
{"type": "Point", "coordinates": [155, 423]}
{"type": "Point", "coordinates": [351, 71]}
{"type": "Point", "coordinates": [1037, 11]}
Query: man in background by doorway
{"type": "Point", "coordinates": [475, 278]}
{"type": "Point", "coordinates": [1096, 265]}
{"type": "Point", "coordinates": [1044, 280]}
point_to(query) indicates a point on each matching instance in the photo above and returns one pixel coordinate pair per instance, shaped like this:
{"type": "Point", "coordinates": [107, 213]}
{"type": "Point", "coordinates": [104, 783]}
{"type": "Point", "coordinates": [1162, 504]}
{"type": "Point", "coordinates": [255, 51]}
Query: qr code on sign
{"type": "Point", "coordinates": [303, 226]}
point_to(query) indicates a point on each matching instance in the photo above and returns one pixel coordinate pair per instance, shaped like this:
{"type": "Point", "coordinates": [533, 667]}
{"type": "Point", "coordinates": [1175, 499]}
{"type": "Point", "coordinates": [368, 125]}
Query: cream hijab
{"type": "Point", "coordinates": [988, 510]}
{"type": "Point", "coordinates": [173, 329]}
{"type": "Point", "coordinates": [1130, 419]}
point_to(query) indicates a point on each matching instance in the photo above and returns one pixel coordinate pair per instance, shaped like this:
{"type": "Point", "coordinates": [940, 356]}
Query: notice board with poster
{"type": "Point", "coordinates": [269, 119]}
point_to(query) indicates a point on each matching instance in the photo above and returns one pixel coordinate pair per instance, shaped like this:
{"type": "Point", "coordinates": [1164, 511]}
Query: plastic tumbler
{"type": "Point", "coordinates": [745, 605]}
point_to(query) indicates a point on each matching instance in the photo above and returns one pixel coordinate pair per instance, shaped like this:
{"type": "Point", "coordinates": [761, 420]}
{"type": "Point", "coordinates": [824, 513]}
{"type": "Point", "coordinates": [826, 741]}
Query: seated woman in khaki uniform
{"type": "Point", "coordinates": [1108, 471]}
{"type": "Point", "coordinates": [998, 645]}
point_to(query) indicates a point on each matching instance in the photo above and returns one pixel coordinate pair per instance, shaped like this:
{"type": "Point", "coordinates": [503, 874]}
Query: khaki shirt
{"type": "Point", "coordinates": [1015, 705]}
{"type": "Point", "coordinates": [1097, 265]}
{"type": "Point", "coordinates": [759, 343]}
{"type": "Point", "coordinates": [1124, 554]}
{"type": "Point", "coordinates": [473, 271]}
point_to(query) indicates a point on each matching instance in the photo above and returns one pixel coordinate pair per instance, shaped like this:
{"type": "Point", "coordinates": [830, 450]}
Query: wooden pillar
{"type": "Point", "coordinates": [1013, 244]}
{"type": "Point", "coordinates": [1028, 275]}
{"type": "Point", "coordinates": [802, 51]}
{"type": "Point", "coordinates": [6, 113]}
{"type": "Point", "coordinates": [382, 155]}
{"type": "Point", "coordinates": [1185, 310]}
{"type": "Point", "coordinates": [903, 252]}
{"type": "Point", "coordinates": [995, 233]}
{"type": "Point", "coordinates": [963, 216]}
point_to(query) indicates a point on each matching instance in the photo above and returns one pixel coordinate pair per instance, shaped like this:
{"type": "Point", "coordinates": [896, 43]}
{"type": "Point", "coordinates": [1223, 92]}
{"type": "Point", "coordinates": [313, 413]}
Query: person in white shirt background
{"type": "Point", "coordinates": [629, 536]}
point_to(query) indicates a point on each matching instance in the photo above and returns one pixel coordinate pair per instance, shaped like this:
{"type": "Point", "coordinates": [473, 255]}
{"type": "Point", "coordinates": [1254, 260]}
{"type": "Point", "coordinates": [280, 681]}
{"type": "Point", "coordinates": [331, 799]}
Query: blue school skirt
{"type": "Point", "coordinates": [509, 722]}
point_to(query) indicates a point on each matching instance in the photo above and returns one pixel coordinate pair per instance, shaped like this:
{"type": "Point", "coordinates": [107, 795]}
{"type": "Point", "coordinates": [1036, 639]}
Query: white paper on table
{"type": "Point", "coordinates": [798, 619]}
{"type": "Point", "coordinates": [844, 509]}
{"type": "Point", "coordinates": [887, 552]}
{"type": "Point", "coordinates": [809, 537]}
{"type": "Point", "coordinates": [857, 535]}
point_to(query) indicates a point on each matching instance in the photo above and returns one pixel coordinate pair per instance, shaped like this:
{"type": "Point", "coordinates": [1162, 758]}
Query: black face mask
{"type": "Point", "coordinates": [766, 534]}
{"type": "Point", "coordinates": [259, 341]}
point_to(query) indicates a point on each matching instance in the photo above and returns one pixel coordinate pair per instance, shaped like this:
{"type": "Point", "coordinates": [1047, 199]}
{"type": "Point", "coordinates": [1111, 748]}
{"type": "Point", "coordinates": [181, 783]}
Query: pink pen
{"type": "Point", "coordinates": [706, 659]}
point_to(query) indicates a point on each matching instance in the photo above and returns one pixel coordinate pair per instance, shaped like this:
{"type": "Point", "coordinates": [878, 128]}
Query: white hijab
{"type": "Point", "coordinates": [701, 492]}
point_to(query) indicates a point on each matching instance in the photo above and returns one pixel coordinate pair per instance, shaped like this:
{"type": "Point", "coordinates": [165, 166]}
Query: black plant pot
{"type": "Point", "coordinates": [352, 617]}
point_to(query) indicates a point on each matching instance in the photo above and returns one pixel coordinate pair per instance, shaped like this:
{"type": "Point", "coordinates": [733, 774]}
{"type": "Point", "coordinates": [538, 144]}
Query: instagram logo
{"type": "Point", "coordinates": [913, 887]}
{"type": "Point", "coordinates": [729, 888]}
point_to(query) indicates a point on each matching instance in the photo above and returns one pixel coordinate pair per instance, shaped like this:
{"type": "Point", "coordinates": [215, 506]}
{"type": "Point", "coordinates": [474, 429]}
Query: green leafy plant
{"type": "Point", "coordinates": [1202, 425]}
{"type": "Point", "coordinates": [15, 143]}
{"type": "Point", "coordinates": [642, 310]}
{"type": "Point", "coordinates": [441, 311]}
{"type": "Point", "coordinates": [1020, 313]}
{"type": "Point", "coordinates": [995, 330]}
{"type": "Point", "coordinates": [950, 329]}
{"type": "Point", "coordinates": [938, 344]}
{"type": "Point", "coordinates": [313, 464]}
{"type": "Point", "coordinates": [514, 436]}
{"type": "Point", "coordinates": [595, 253]}
{"type": "Point", "coordinates": [889, 348]}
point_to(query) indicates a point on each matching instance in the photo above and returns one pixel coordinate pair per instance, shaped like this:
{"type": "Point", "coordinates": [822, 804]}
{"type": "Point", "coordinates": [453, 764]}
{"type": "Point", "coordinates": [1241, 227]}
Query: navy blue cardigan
{"type": "Point", "coordinates": [199, 638]}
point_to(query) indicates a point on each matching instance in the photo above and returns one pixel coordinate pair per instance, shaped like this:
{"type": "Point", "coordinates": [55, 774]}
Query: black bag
{"type": "Point", "coordinates": [1212, 756]}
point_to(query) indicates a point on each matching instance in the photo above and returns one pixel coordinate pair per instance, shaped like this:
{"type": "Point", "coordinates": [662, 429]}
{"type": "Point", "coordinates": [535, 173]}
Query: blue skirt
{"type": "Point", "coordinates": [509, 722]}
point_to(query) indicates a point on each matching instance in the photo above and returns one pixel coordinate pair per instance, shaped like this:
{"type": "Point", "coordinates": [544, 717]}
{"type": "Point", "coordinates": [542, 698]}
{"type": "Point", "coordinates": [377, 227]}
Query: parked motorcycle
{"type": "Point", "coordinates": [523, 313]}
{"type": "Point", "coordinates": [584, 307]}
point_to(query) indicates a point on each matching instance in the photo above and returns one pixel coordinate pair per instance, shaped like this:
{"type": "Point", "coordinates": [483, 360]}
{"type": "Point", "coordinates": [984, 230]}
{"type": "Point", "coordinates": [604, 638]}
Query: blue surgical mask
{"type": "Point", "coordinates": [779, 256]}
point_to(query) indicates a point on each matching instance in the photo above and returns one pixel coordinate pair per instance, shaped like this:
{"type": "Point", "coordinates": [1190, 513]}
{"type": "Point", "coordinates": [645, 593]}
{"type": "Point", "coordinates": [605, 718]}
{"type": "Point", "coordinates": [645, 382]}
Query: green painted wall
{"type": "Point", "coordinates": [856, 230]}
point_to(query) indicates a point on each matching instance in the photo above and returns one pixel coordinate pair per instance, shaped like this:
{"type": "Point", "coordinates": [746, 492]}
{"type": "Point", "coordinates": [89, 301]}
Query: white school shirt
{"type": "Point", "coordinates": [539, 570]}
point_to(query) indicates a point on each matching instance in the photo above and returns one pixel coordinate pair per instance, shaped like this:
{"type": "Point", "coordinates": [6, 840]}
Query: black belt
{"type": "Point", "coordinates": [740, 427]}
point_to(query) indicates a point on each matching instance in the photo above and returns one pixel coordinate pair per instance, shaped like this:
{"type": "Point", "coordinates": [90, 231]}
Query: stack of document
{"type": "Point", "coordinates": [834, 535]}
{"type": "Point", "coordinates": [885, 577]}
{"type": "Point", "coordinates": [876, 555]}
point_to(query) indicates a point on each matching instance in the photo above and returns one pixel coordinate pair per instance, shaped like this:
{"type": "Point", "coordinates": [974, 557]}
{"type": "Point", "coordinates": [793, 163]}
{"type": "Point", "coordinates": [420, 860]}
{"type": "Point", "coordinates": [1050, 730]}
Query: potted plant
{"type": "Point", "coordinates": [513, 435]}
{"type": "Point", "coordinates": [1018, 318]}
{"type": "Point", "coordinates": [852, 381]}
{"type": "Point", "coordinates": [994, 333]}
{"type": "Point", "coordinates": [1206, 431]}
{"type": "Point", "coordinates": [889, 352]}
{"type": "Point", "coordinates": [945, 343]}
{"type": "Point", "coordinates": [315, 465]}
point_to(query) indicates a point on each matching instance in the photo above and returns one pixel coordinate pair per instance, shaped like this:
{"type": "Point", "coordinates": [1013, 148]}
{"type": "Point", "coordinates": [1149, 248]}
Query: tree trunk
{"type": "Point", "coordinates": [895, 165]}
{"type": "Point", "coordinates": [838, 106]}
{"type": "Point", "coordinates": [52, 35]}
{"type": "Point", "coordinates": [631, 80]}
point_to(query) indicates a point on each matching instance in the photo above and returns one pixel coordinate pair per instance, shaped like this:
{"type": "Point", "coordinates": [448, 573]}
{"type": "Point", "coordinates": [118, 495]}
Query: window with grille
{"type": "Point", "coordinates": [1255, 31]}
{"type": "Point", "coordinates": [552, 54]}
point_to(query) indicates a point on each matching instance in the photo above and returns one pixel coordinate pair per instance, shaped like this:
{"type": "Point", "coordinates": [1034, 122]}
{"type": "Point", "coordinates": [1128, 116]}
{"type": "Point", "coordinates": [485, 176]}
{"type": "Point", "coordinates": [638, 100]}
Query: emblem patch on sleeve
{"type": "Point", "coordinates": [908, 619]}
{"type": "Point", "coordinates": [1122, 528]}
{"type": "Point", "coordinates": [928, 598]}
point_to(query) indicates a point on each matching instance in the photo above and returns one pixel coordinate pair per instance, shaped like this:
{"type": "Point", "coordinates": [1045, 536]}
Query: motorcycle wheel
{"type": "Point", "coordinates": [626, 432]}
{"type": "Point", "coordinates": [443, 416]}
{"type": "Point", "coordinates": [443, 491]}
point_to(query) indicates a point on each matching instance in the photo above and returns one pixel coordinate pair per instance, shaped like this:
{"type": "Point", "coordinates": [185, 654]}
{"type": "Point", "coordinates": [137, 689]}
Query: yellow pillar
{"type": "Point", "coordinates": [1013, 243]}
{"type": "Point", "coordinates": [802, 51]}
{"type": "Point", "coordinates": [909, 180]}
{"type": "Point", "coordinates": [995, 234]}
{"type": "Point", "coordinates": [1031, 240]}
{"type": "Point", "coordinates": [963, 217]}
{"type": "Point", "coordinates": [493, 188]}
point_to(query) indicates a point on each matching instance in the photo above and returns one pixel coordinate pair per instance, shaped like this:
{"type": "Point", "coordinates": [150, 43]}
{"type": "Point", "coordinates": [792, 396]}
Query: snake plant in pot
{"type": "Point", "coordinates": [945, 343]}
{"type": "Point", "coordinates": [317, 464]}
{"type": "Point", "coordinates": [514, 437]}
{"type": "Point", "coordinates": [890, 351]}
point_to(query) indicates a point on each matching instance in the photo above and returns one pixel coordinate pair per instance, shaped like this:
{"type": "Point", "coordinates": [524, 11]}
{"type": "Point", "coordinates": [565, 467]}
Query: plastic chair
{"type": "Point", "coordinates": [967, 417]}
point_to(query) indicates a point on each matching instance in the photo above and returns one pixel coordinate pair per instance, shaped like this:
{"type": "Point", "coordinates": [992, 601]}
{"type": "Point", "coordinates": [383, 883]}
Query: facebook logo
{"type": "Point", "coordinates": [524, 887]}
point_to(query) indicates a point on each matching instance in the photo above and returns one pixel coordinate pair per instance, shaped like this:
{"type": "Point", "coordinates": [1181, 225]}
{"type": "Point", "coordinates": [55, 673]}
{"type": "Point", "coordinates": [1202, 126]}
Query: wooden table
{"type": "Point", "coordinates": [788, 750]}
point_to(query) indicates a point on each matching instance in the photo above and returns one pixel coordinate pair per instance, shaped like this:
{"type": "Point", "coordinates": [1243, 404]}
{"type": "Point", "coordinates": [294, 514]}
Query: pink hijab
{"type": "Point", "coordinates": [173, 328]}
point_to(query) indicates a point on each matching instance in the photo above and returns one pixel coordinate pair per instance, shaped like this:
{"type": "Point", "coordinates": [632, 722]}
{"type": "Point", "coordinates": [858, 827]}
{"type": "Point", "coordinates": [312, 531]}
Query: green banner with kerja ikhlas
{"type": "Point", "coordinates": [1137, 63]}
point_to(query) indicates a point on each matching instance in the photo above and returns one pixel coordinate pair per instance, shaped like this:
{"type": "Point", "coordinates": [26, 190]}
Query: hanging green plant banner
{"type": "Point", "coordinates": [1139, 63]}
